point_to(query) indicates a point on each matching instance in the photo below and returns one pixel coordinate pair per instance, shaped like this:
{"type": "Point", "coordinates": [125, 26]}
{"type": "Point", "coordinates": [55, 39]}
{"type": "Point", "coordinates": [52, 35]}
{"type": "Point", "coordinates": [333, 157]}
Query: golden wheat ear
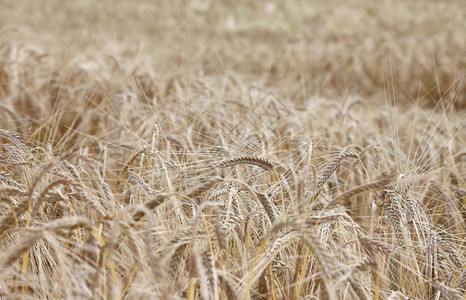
{"type": "Point", "coordinates": [248, 160]}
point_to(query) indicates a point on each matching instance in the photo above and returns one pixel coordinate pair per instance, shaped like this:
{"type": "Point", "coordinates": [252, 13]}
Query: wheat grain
{"type": "Point", "coordinates": [376, 245]}
{"type": "Point", "coordinates": [332, 167]}
{"type": "Point", "coordinates": [249, 160]}
{"type": "Point", "coordinates": [268, 206]}
{"type": "Point", "coordinates": [205, 186]}
{"type": "Point", "coordinates": [5, 178]}
{"type": "Point", "coordinates": [176, 262]}
{"type": "Point", "coordinates": [448, 292]}
{"type": "Point", "coordinates": [377, 185]}
{"type": "Point", "coordinates": [13, 137]}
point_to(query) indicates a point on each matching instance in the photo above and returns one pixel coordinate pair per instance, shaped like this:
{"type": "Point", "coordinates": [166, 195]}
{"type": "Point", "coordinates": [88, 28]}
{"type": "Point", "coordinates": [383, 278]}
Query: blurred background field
{"type": "Point", "coordinates": [327, 48]}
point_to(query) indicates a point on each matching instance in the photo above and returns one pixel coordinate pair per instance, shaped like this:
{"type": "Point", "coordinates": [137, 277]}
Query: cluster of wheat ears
{"type": "Point", "coordinates": [212, 188]}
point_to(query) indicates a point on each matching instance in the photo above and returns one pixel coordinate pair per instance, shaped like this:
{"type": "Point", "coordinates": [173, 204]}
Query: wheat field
{"type": "Point", "coordinates": [232, 149]}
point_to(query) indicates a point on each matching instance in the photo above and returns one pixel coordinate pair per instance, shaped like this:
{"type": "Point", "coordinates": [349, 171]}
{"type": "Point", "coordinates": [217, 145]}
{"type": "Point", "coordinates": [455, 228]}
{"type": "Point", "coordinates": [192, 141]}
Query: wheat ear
{"type": "Point", "coordinates": [248, 160]}
{"type": "Point", "coordinates": [332, 167]}
{"type": "Point", "coordinates": [380, 184]}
